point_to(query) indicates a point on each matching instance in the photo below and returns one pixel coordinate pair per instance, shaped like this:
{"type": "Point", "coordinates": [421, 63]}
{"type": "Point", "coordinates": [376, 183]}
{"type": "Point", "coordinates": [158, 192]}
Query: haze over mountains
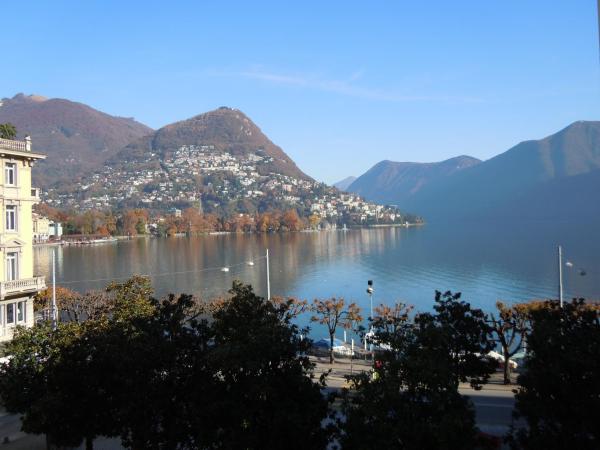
{"type": "Point", "coordinates": [557, 177]}
{"type": "Point", "coordinates": [76, 137]}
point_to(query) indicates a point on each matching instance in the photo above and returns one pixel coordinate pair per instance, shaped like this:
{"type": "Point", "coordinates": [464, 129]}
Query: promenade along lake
{"type": "Point", "coordinates": [511, 262]}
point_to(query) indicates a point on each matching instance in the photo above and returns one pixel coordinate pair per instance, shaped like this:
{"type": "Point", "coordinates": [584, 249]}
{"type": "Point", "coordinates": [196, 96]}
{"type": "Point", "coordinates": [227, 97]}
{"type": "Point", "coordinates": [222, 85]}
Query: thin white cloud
{"type": "Point", "coordinates": [349, 88]}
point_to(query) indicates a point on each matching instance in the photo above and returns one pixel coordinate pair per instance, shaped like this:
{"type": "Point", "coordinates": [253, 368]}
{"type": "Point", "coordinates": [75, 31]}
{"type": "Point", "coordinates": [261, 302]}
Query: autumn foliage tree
{"type": "Point", "coordinates": [510, 326]}
{"type": "Point", "coordinates": [133, 222]}
{"type": "Point", "coordinates": [333, 313]}
{"type": "Point", "coordinates": [388, 319]}
{"type": "Point", "coordinates": [291, 221]}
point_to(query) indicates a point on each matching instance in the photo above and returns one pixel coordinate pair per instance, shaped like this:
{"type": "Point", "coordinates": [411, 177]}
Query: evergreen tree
{"type": "Point", "coordinates": [559, 394]}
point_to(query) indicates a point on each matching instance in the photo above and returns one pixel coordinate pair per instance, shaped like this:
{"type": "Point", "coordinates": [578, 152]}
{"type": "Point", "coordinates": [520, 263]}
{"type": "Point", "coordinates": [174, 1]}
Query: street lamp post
{"type": "Point", "coordinates": [268, 278]}
{"type": "Point", "coordinates": [569, 264]}
{"type": "Point", "coordinates": [370, 292]}
{"type": "Point", "coordinates": [560, 277]}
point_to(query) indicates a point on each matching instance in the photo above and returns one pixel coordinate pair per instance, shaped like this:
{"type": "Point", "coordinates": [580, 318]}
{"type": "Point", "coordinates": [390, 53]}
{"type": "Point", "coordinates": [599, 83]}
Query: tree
{"type": "Point", "coordinates": [43, 299]}
{"type": "Point", "coordinates": [291, 220]}
{"type": "Point", "coordinates": [159, 376]}
{"type": "Point", "coordinates": [130, 222]}
{"type": "Point", "coordinates": [47, 383]}
{"type": "Point", "coordinates": [289, 307]}
{"type": "Point", "coordinates": [559, 394]}
{"type": "Point", "coordinates": [75, 378]}
{"type": "Point", "coordinates": [389, 319]}
{"type": "Point", "coordinates": [314, 220]}
{"type": "Point", "coordinates": [264, 223]}
{"type": "Point", "coordinates": [155, 374]}
{"type": "Point", "coordinates": [331, 313]}
{"type": "Point", "coordinates": [265, 396]}
{"type": "Point", "coordinates": [111, 374]}
{"type": "Point", "coordinates": [131, 298]}
{"type": "Point", "coordinates": [8, 131]}
{"type": "Point", "coordinates": [165, 368]}
{"type": "Point", "coordinates": [413, 401]}
{"type": "Point", "coordinates": [72, 306]}
{"type": "Point", "coordinates": [510, 326]}
{"type": "Point", "coordinates": [464, 336]}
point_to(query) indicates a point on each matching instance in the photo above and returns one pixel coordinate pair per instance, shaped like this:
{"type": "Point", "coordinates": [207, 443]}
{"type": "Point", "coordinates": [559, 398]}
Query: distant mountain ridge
{"type": "Point", "coordinates": [395, 182]}
{"type": "Point", "coordinates": [557, 177]}
{"type": "Point", "coordinates": [343, 185]}
{"type": "Point", "coordinates": [76, 138]}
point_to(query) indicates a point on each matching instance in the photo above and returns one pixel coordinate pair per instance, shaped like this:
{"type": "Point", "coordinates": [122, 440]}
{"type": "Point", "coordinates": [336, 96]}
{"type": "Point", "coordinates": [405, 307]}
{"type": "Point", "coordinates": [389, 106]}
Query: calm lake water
{"type": "Point", "coordinates": [512, 262]}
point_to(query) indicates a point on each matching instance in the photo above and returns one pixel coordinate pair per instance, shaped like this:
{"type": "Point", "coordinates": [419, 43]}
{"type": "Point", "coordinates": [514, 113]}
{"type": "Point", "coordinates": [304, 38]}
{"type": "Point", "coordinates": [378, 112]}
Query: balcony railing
{"type": "Point", "coordinates": [19, 146]}
{"type": "Point", "coordinates": [21, 286]}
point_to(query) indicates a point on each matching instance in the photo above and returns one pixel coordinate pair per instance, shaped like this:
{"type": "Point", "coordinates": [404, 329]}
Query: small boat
{"type": "Point", "coordinates": [225, 269]}
{"type": "Point", "coordinates": [250, 263]}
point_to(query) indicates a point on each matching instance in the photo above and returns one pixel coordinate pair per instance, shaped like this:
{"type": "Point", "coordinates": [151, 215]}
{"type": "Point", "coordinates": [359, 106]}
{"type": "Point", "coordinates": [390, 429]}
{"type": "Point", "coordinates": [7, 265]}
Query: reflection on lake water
{"type": "Point", "coordinates": [513, 262]}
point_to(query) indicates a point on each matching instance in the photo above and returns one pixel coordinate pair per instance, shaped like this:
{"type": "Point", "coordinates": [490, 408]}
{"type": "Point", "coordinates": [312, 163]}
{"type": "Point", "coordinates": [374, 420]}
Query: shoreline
{"type": "Point", "coordinates": [113, 239]}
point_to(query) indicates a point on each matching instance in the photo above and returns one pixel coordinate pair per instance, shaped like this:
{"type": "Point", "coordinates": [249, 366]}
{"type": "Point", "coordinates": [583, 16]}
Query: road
{"type": "Point", "coordinates": [494, 403]}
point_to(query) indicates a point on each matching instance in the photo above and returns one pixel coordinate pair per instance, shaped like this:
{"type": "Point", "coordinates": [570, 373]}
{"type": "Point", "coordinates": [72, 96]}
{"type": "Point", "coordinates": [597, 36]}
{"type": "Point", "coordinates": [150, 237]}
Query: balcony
{"type": "Point", "coordinates": [17, 146]}
{"type": "Point", "coordinates": [21, 286]}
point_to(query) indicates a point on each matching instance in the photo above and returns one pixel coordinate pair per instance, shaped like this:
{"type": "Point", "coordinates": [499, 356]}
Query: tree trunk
{"type": "Point", "coordinates": [331, 349]}
{"type": "Point", "coordinates": [89, 443]}
{"type": "Point", "coordinates": [506, 367]}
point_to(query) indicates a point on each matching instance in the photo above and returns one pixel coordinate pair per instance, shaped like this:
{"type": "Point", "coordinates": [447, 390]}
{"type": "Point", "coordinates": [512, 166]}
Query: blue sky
{"type": "Point", "coordinates": [338, 85]}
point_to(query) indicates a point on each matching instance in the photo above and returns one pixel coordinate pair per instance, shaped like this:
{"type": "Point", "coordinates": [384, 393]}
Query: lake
{"type": "Point", "coordinates": [486, 262]}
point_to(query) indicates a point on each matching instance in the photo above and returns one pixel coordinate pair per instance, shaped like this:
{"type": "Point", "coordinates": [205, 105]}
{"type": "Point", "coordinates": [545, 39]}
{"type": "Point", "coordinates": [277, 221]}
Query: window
{"type": "Point", "coordinates": [10, 174]}
{"type": "Point", "coordinates": [10, 313]}
{"type": "Point", "coordinates": [21, 309]}
{"type": "Point", "coordinates": [12, 266]}
{"type": "Point", "coordinates": [11, 218]}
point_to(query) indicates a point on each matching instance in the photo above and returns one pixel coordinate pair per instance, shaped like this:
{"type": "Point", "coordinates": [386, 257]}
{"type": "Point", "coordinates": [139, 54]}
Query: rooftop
{"type": "Point", "coordinates": [19, 148]}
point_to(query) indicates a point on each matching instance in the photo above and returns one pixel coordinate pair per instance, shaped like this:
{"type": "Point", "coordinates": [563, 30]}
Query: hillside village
{"type": "Point", "coordinates": [214, 181]}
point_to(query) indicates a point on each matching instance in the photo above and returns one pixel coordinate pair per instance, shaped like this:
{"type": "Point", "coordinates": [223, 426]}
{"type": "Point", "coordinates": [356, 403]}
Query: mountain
{"type": "Point", "coordinates": [225, 129]}
{"type": "Point", "coordinates": [218, 163]}
{"type": "Point", "coordinates": [395, 182]}
{"type": "Point", "coordinates": [342, 185]}
{"type": "Point", "coordinates": [219, 160]}
{"type": "Point", "coordinates": [552, 178]}
{"type": "Point", "coordinates": [75, 137]}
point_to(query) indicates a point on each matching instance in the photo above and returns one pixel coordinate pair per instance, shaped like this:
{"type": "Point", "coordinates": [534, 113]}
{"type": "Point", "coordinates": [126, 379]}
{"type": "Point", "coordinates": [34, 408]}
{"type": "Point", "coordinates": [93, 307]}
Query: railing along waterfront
{"type": "Point", "coordinates": [19, 146]}
{"type": "Point", "coordinates": [21, 285]}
